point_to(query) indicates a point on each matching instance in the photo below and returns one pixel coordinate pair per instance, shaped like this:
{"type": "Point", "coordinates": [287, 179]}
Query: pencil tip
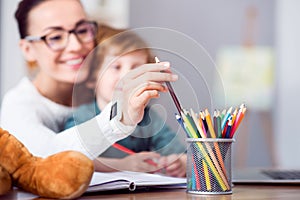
{"type": "Point", "coordinates": [242, 105]}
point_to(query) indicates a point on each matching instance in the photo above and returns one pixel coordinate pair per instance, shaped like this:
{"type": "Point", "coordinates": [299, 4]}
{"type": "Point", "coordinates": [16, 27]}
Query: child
{"type": "Point", "coordinates": [119, 52]}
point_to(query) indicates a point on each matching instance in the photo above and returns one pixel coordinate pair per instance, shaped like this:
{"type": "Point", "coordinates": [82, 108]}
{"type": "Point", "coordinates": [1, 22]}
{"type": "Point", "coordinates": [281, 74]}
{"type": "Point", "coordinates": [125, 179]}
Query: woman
{"type": "Point", "coordinates": [57, 36]}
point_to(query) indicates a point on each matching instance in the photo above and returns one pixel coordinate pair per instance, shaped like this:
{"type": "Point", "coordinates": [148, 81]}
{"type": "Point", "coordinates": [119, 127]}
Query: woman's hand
{"type": "Point", "coordinates": [140, 85]}
{"type": "Point", "coordinates": [174, 165]}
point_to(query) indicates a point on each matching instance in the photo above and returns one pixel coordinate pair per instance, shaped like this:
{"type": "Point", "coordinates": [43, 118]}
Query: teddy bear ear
{"type": "Point", "coordinates": [5, 181]}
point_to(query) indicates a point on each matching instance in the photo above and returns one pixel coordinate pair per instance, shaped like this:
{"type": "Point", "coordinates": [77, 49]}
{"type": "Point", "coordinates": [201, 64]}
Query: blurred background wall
{"type": "Point", "coordinates": [254, 40]}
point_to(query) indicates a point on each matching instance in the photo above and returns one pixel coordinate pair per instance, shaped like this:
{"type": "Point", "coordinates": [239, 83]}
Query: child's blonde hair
{"type": "Point", "coordinates": [116, 42]}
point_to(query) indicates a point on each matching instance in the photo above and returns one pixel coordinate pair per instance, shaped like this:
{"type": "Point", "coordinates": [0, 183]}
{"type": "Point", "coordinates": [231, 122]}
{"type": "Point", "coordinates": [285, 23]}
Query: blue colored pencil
{"type": "Point", "coordinates": [227, 115]}
{"type": "Point", "coordinates": [229, 125]}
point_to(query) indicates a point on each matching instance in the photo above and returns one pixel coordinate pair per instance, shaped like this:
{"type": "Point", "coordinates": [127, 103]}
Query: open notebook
{"type": "Point", "coordinates": [266, 176]}
{"type": "Point", "coordinates": [132, 181]}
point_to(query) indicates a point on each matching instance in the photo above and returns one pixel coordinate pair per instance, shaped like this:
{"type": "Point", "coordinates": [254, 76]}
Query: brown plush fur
{"type": "Point", "coordinates": [5, 181]}
{"type": "Point", "coordinates": [64, 175]}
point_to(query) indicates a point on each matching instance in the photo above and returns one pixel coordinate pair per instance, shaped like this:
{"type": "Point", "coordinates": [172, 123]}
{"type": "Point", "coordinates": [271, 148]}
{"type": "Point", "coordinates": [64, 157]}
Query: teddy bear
{"type": "Point", "coordinates": [64, 175]}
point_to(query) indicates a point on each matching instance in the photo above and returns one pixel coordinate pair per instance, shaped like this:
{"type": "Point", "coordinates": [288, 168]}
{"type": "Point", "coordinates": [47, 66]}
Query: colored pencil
{"type": "Point", "coordinates": [130, 152]}
{"type": "Point", "coordinates": [180, 121]}
{"type": "Point", "coordinates": [197, 177]}
{"type": "Point", "coordinates": [224, 120]}
{"type": "Point", "coordinates": [219, 124]}
{"type": "Point", "coordinates": [123, 149]}
{"type": "Point", "coordinates": [215, 123]}
{"type": "Point", "coordinates": [204, 122]}
{"type": "Point", "coordinates": [206, 175]}
{"type": "Point", "coordinates": [228, 129]}
{"type": "Point", "coordinates": [238, 120]}
{"type": "Point", "coordinates": [189, 126]}
{"type": "Point", "coordinates": [172, 93]}
{"type": "Point", "coordinates": [213, 135]}
{"type": "Point", "coordinates": [209, 124]}
{"type": "Point", "coordinates": [198, 125]}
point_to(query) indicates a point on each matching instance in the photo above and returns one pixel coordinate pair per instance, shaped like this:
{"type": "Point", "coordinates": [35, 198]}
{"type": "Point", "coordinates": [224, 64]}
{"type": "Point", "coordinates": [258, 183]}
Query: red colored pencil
{"type": "Point", "coordinates": [237, 122]}
{"type": "Point", "coordinates": [130, 152]}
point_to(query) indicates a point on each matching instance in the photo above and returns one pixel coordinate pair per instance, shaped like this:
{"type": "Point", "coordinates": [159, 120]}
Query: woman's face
{"type": "Point", "coordinates": [65, 65]}
{"type": "Point", "coordinates": [112, 70]}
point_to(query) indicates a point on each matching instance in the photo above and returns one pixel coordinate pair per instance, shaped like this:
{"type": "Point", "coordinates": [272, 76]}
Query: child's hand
{"type": "Point", "coordinates": [174, 164]}
{"type": "Point", "coordinates": [138, 162]}
{"type": "Point", "coordinates": [140, 85]}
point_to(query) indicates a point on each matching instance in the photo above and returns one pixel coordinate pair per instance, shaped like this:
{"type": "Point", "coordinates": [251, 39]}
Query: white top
{"type": "Point", "coordinates": [36, 121]}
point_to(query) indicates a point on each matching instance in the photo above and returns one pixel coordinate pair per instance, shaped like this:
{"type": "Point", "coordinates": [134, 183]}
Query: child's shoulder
{"type": "Point", "coordinates": [82, 114]}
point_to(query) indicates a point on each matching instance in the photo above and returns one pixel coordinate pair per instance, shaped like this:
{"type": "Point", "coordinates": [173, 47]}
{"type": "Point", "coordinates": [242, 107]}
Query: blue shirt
{"type": "Point", "coordinates": [151, 134]}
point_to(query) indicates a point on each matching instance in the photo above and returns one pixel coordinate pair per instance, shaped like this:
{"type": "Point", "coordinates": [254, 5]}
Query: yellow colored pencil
{"type": "Point", "coordinates": [218, 175]}
{"type": "Point", "coordinates": [234, 115]}
{"type": "Point", "coordinates": [188, 124]}
{"type": "Point", "coordinates": [218, 169]}
{"type": "Point", "coordinates": [206, 175]}
{"type": "Point", "coordinates": [213, 134]}
{"type": "Point", "coordinates": [219, 165]}
{"type": "Point", "coordinates": [199, 126]}
{"type": "Point", "coordinates": [217, 172]}
{"type": "Point", "coordinates": [209, 124]}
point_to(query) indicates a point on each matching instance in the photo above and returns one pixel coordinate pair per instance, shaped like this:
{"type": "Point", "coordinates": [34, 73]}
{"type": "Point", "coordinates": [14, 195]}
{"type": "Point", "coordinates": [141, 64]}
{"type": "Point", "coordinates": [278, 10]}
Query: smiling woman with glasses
{"type": "Point", "coordinates": [57, 39]}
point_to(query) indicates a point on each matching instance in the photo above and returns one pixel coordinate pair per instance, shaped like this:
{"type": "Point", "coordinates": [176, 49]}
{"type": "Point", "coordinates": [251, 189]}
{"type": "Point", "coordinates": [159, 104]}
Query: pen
{"type": "Point", "coordinates": [130, 152]}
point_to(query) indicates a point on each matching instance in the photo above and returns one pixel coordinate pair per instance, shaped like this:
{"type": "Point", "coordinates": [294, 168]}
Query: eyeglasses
{"type": "Point", "coordinates": [58, 39]}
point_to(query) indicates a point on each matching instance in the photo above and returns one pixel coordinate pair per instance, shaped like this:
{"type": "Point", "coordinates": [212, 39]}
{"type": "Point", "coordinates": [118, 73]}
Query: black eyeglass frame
{"type": "Point", "coordinates": [30, 38]}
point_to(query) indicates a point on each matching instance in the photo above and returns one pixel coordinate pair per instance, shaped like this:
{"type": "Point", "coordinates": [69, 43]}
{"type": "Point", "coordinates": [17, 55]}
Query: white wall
{"type": "Point", "coordinates": [212, 24]}
{"type": "Point", "coordinates": [12, 62]}
{"type": "Point", "coordinates": [113, 12]}
{"type": "Point", "coordinates": [288, 82]}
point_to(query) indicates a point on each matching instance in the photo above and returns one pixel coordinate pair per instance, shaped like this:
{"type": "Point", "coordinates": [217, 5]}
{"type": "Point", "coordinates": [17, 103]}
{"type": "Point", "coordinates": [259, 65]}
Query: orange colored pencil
{"type": "Point", "coordinates": [238, 120]}
{"type": "Point", "coordinates": [213, 135]}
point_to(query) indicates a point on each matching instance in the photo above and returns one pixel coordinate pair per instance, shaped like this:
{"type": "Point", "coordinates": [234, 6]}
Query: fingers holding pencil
{"type": "Point", "coordinates": [142, 162]}
{"type": "Point", "coordinates": [138, 86]}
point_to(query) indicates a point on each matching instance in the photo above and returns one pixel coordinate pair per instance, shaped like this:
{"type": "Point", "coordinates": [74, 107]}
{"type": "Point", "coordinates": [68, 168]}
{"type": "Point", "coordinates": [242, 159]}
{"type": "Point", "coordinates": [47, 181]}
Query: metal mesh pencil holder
{"type": "Point", "coordinates": [209, 166]}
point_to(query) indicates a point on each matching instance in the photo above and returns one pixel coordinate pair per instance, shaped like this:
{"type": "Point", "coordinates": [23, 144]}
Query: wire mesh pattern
{"type": "Point", "coordinates": [209, 166]}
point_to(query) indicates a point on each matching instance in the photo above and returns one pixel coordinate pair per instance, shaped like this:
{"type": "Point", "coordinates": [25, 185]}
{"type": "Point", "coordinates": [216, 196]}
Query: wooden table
{"type": "Point", "coordinates": [240, 192]}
